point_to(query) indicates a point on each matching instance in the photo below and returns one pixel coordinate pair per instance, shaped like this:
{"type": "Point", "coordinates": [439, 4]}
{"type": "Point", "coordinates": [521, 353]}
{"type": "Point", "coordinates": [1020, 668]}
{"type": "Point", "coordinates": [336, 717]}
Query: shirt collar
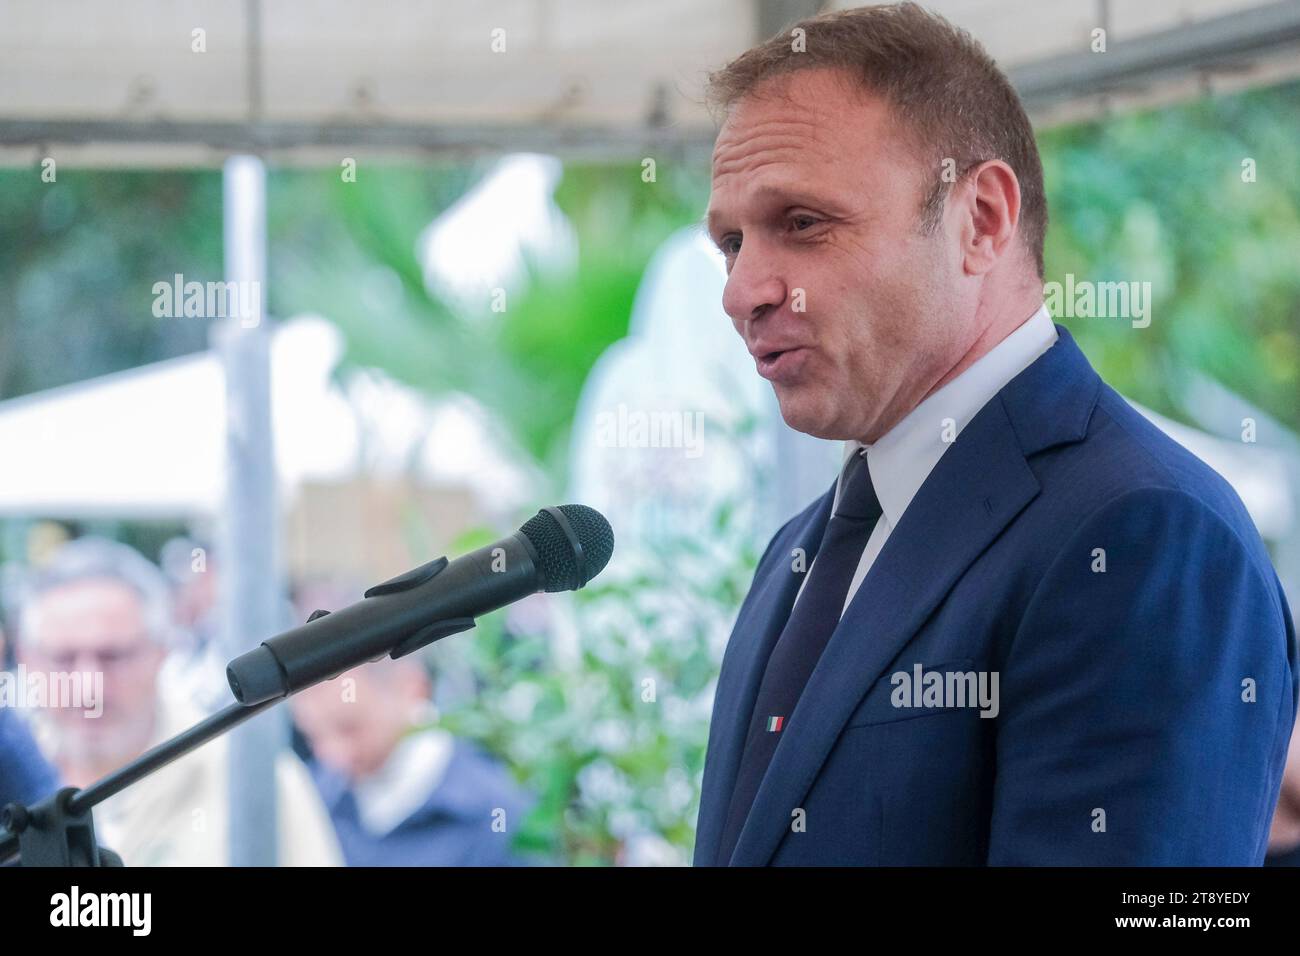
{"type": "Point", "coordinates": [902, 458]}
{"type": "Point", "coordinates": [414, 770]}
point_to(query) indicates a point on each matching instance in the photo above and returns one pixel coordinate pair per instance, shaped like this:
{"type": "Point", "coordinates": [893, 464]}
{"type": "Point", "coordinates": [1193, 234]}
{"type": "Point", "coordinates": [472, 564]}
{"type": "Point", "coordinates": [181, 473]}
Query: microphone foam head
{"type": "Point", "coordinates": [573, 545]}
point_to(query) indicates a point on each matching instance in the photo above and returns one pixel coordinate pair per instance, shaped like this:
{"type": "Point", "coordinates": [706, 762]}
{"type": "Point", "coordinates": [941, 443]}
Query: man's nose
{"type": "Point", "coordinates": [752, 289]}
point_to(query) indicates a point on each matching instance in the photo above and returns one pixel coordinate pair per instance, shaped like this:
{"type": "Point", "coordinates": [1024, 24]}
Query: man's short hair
{"type": "Point", "coordinates": [952, 100]}
{"type": "Point", "coordinates": [92, 558]}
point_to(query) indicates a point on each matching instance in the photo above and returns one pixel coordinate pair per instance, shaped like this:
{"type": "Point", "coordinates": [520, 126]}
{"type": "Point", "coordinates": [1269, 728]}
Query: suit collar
{"type": "Point", "coordinates": [1051, 402]}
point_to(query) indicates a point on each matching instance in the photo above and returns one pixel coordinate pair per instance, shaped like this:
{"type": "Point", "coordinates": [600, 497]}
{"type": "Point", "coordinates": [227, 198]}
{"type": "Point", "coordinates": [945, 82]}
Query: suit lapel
{"type": "Point", "coordinates": [979, 485]}
{"type": "Point", "coordinates": [757, 628]}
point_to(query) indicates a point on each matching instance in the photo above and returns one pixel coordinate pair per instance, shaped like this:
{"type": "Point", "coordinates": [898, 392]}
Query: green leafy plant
{"type": "Point", "coordinates": [611, 734]}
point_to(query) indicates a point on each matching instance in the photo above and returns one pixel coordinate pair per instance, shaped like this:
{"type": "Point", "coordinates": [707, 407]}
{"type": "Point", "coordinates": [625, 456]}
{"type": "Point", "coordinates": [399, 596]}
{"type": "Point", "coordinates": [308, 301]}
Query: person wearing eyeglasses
{"type": "Point", "coordinates": [97, 617]}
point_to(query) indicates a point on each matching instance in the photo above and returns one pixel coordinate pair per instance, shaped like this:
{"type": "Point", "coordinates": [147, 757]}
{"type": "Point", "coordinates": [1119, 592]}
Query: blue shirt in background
{"type": "Point", "coordinates": [451, 827]}
{"type": "Point", "coordinates": [25, 775]}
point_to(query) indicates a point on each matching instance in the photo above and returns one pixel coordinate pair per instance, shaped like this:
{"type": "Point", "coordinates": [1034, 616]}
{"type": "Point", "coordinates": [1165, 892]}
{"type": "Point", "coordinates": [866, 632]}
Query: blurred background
{"type": "Point", "coordinates": [297, 296]}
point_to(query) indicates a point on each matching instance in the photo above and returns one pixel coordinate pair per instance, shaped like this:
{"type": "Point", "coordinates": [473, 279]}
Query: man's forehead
{"type": "Point", "coordinates": [813, 93]}
{"type": "Point", "coordinates": [91, 607]}
{"type": "Point", "coordinates": [785, 136]}
{"type": "Point", "coordinates": [96, 591]}
{"type": "Point", "coordinates": [815, 111]}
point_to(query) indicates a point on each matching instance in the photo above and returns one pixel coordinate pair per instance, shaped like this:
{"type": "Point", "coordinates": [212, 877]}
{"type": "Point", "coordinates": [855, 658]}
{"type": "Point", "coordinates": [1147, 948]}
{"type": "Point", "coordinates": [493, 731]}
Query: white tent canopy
{"type": "Point", "coordinates": [150, 442]}
{"type": "Point", "coordinates": [149, 82]}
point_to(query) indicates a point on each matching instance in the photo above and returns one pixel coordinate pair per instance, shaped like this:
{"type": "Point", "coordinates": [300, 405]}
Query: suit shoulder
{"type": "Point", "coordinates": [1123, 452]}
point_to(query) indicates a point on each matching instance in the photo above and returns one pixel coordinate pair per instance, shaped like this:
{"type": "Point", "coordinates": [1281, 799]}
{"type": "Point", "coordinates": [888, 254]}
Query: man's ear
{"type": "Point", "coordinates": [990, 211]}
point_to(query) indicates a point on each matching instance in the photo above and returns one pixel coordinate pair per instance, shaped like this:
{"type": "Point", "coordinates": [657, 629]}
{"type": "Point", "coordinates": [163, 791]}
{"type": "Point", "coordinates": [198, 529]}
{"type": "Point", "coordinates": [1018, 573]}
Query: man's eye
{"type": "Point", "coordinates": [795, 220]}
{"type": "Point", "coordinates": [727, 247]}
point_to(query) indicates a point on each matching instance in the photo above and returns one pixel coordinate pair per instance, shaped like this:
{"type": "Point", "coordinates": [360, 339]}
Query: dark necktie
{"type": "Point", "coordinates": [805, 635]}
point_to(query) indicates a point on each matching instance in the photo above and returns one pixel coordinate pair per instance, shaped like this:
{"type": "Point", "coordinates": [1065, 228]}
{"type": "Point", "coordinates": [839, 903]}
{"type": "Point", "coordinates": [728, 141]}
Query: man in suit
{"type": "Point", "coordinates": [1023, 626]}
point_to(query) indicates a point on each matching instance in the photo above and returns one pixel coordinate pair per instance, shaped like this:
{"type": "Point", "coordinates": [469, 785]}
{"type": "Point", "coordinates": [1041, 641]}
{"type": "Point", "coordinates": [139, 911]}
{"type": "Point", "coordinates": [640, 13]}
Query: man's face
{"type": "Point", "coordinates": [98, 626]}
{"type": "Point", "coordinates": [848, 309]}
{"type": "Point", "coordinates": [353, 723]}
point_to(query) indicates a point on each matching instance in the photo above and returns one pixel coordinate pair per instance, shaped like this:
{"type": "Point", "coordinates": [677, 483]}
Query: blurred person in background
{"type": "Point", "coordinates": [100, 607]}
{"type": "Point", "coordinates": [25, 775]}
{"type": "Point", "coordinates": [195, 666]}
{"type": "Point", "coordinates": [401, 792]}
{"type": "Point", "coordinates": [190, 567]}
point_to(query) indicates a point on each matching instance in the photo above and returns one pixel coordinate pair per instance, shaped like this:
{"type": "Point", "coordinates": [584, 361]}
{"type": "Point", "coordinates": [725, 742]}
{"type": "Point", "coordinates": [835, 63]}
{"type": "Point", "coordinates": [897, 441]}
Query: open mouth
{"type": "Point", "coordinates": [780, 364]}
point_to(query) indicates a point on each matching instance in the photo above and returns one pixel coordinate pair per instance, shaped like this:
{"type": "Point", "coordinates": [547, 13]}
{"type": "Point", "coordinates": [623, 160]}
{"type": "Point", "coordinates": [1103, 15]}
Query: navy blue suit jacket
{"type": "Point", "coordinates": [1145, 709]}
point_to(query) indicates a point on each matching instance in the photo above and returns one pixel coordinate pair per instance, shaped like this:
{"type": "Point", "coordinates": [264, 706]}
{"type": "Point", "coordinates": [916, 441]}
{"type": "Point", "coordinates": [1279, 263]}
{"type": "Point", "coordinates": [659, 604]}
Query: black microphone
{"type": "Point", "coordinates": [558, 549]}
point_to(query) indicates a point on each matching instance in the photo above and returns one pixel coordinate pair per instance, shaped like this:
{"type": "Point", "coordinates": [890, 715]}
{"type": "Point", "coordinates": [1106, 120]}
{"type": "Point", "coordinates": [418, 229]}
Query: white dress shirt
{"type": "Point", "coordinates": [902, 458]}
{"type": "Point", "coordinates": [389, 796]}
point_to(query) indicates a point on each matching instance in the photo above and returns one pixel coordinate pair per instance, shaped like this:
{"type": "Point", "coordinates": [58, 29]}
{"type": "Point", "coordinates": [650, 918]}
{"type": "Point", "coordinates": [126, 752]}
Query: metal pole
{"type": "Point", "coordinates": [248, 559]}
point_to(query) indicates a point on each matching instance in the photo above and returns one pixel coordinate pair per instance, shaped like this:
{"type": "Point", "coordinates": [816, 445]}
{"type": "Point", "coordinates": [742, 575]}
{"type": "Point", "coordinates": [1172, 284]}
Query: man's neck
{"type": "Point", "coordinates": [995, 330]}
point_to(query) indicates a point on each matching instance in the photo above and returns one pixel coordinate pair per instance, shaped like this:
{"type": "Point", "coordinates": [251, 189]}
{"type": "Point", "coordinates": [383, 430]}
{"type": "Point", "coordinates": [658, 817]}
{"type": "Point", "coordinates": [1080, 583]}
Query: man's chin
{"type": "Point", "coordinates": [809, 419]}
{"type": "Point", "coordinates": [813, 427]}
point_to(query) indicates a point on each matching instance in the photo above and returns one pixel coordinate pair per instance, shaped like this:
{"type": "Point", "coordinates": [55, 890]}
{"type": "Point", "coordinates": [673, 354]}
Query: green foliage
{"type": "Point", "coordinates": [80, 258]}
{"type": "Point", "coordinates": [1159, 196]}
{"type": "Point", "coordinates": [527, 363]}
{"type": "Point", "coordinates": [611, 732]}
